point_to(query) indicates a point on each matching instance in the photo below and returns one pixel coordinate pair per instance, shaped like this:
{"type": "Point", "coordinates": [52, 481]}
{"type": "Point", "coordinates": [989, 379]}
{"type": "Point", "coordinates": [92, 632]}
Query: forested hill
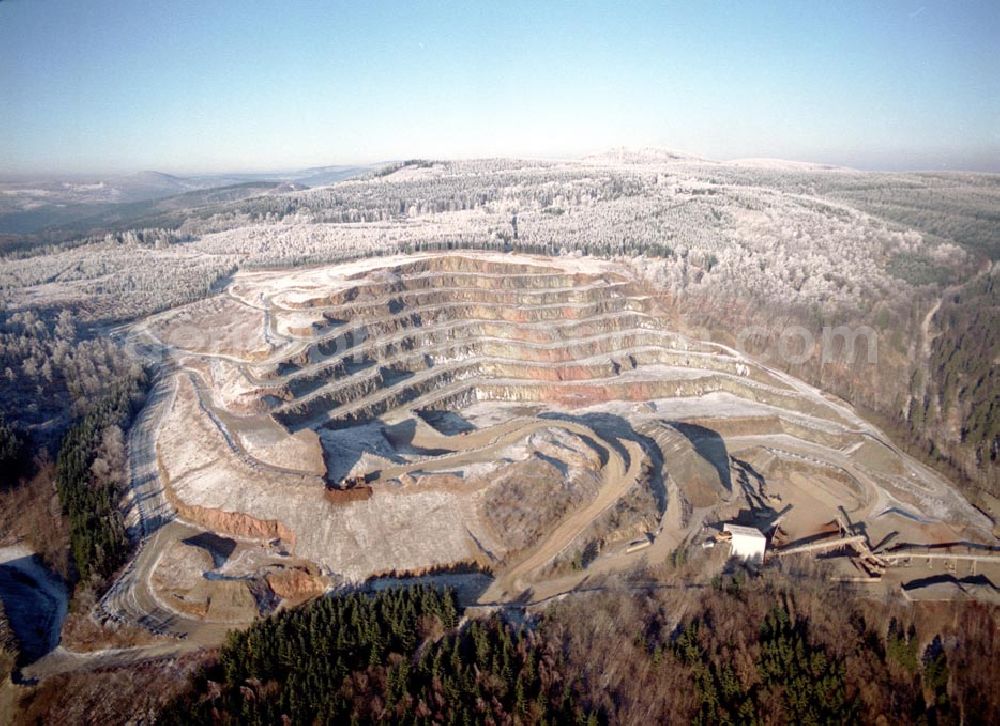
{"type": "Point", "coordinates": [746, 651]}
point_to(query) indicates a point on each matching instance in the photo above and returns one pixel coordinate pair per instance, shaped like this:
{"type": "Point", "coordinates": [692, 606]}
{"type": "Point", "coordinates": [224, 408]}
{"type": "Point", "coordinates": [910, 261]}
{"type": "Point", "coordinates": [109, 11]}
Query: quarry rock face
{"type": "Point", "coordinates": [409, 413]}
{"type": "Point", "coordinates": [296, 584]}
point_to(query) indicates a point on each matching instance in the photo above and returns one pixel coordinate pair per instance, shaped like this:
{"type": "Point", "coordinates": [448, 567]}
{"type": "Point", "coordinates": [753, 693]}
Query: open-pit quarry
{"type": "Point", "coordinates": [525, 418]}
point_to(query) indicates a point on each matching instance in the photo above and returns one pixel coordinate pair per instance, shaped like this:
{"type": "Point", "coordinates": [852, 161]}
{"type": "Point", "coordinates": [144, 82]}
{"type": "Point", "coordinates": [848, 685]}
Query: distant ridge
{"type": "Point", "coordinates": [318, 176]}
{"type": "Point", "coordinates": [786, 165]}
{"type": "Point", "coordinates": [644, 155]}
{"type": "Point", "coordinates": [660, 155]}
{"type": "Point", "coordinates": [149, 185]}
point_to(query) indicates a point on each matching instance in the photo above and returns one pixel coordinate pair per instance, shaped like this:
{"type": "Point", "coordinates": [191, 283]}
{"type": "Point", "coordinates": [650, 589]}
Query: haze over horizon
{"type": "Point", "coordinates": [112, 87]}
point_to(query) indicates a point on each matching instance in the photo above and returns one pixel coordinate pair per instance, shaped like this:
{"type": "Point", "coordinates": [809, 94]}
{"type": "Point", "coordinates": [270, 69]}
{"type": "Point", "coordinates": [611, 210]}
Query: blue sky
{"type": "Point", "coordinates": [123, 85]}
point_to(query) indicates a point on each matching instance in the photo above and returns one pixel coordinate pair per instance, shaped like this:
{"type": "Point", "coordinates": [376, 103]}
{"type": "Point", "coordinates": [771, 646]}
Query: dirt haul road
{"type": "Point", "coordinates": [619, 475]}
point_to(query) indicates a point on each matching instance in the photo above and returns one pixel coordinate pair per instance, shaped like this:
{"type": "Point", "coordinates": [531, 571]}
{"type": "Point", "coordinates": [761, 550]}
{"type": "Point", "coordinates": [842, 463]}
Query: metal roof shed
{"type": "Point", "coordinates": [747, 543]}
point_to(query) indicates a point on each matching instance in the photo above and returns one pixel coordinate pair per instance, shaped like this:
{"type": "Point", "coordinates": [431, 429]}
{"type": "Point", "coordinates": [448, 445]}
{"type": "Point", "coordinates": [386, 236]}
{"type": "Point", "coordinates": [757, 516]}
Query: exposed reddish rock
{"type": "Point", "coordinates": [238, 524]}
{"type": "Point", "coordinates": [296, 583]}
{"type": "Point", "coordinates": [358, 493]}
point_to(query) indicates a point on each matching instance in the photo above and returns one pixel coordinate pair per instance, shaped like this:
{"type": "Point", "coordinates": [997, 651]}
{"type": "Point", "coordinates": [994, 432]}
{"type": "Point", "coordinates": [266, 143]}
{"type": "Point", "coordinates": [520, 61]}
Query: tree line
{"type": "Point", "coordinates": [90, 476]}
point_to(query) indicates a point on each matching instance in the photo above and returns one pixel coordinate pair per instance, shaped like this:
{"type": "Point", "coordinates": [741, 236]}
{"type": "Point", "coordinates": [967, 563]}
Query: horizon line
{"type": "Point", "coordinates": [988, 167]}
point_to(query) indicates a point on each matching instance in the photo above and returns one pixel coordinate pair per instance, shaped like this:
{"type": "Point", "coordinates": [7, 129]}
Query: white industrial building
{"type": "Point", "coordinates": [747, 543]}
